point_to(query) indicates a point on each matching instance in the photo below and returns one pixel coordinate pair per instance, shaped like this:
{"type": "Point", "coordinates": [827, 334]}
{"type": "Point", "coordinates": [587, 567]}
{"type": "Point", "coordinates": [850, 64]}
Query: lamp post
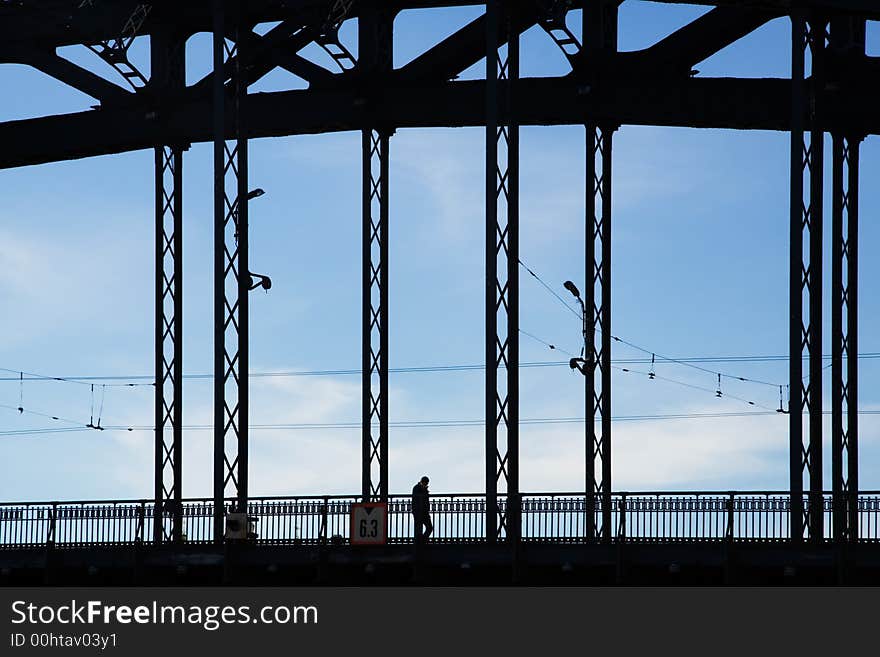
{"type": "Point", "coordinates": [585, 365]}
{"type": "Point", "coordinates": [254, 280]}
{"type": "Point", "coordinates": [580, 364]}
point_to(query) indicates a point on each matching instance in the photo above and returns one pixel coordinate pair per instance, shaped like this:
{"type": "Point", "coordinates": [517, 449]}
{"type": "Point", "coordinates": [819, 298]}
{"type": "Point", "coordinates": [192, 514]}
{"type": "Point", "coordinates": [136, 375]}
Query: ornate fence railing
{"type": "Point", "coordinates": [661, 517]}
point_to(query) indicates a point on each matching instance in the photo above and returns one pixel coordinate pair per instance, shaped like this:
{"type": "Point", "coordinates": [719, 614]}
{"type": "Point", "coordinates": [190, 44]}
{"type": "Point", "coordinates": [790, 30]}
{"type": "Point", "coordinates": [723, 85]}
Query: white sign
{"type": "Point", "coordinates": [369, 524]}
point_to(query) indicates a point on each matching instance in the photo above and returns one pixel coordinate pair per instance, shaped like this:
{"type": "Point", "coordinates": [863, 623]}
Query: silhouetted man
{"type": "Point", "coordinates": [421, 510]}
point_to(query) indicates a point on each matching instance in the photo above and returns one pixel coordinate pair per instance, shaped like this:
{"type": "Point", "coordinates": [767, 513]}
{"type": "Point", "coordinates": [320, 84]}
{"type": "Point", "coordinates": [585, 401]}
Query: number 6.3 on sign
{"type": "Point", "coordinates": [369, 523]}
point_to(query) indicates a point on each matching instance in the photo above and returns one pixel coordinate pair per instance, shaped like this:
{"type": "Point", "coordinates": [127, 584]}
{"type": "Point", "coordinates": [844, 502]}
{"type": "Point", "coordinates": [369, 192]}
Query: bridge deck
{"type": "Point", "coordinates": [552, 518]}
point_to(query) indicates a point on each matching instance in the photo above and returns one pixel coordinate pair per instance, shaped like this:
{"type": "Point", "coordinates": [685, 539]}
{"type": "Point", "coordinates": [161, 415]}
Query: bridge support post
{"type": "Point", "coordinates": [847, 39]}
{"type": "Point", "coordinates": [598, 308]}
{"type": "Point", "coordinates": [375, 60]}
{"type": "Point", "coordinates": [168, 54]}
{"type": "Point", "coordinates": [805, 326]}
{"type": "Point", "coordinates": [231, 277]}
{"type": "Point", "coordinates": [600, 36]}
{"type": "Point", "coordinates": [169, 344]}
{"type": "Point", "coordinates": [502, 275]}
{"type": "Point", "coordinates": [375, 314]}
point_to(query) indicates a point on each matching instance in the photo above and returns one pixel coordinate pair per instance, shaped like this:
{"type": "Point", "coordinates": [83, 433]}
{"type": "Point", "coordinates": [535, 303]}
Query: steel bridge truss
{"type": "Point", "coordinates": [600, 28]}
{"type": "Point", "coordinates": [821, 39]}
{"type": "Point", "coordinates": [169, 328]}
{"type": "Point", "coordinates": [374, 64]}
{"type": "Point", "coordinates": [847, 38]}
{"type": "Point", "coordinates": [502, 273]}
{"type": "Point", "coordinates": [168, 65]}
{"type": "Point", "coordinates": [805, 331]}
{"type": "Point", "coordinates": [835, 89]}
{"type": "Point", "coordinates": [375, 316]}
{"type": "Point", "coordinates": [817, 36]}
{"type": "Point", "coordinates": [231, 273]}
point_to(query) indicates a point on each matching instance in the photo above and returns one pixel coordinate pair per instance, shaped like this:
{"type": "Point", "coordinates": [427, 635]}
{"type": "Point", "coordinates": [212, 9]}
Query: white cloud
{"type": "Point", "coordinates": [57, 286]}
{"type": "Point", "coordinates": [447, 169]}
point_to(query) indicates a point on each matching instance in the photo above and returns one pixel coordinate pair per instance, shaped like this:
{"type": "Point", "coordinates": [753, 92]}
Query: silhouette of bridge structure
{"type": "Point", "coordinates": [834, 88]}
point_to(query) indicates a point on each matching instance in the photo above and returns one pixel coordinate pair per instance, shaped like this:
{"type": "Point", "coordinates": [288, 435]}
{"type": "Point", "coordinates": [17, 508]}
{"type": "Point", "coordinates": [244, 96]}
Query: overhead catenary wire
{"type": "Point", "coordinates": [654, 355]}
{"type": "Point", "coordinates": [92, 425]}
{"type": "Point", "coordinates": [677, 361]}
{"type": "Point", "coordinates": [41, 431]}
{"type": "Point", "coordinates": [87, 379]}
{"type": "Point", "coordinates": [49, 416]}
{"type": "Point", "coordinates": [84, 381]}
{"type": "Point", "coordinates": [686, 361]}
{"type": "Point", "coordinates": [549, 289]}
{"type": "Point", "coordinates": [421, 424]}
{"type": "Point", "coordinates": [716, 392]}
{"type": "Point", "coordinates": [547, 344]}
{"type": "Point", "coordinates": [652, 375]}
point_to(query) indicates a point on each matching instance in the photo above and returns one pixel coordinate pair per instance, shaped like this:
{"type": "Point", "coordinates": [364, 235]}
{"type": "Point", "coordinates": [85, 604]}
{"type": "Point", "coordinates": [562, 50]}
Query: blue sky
{"type": "Point", "coordinates": [700, 269]}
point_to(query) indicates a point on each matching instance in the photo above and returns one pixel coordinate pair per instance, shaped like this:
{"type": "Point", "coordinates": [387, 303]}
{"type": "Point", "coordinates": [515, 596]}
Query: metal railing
{"type": "Point", "coordinates": [662, 517]}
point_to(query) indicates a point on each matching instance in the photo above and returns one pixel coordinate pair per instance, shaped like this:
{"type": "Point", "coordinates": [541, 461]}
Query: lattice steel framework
{"type": "Point", "coordinates": [168, 66]}
{"type": "Point", "coordinates": [375, 315]}
{"type": "Point", "coordinates": [231, 277]}
{"type": "Point", "coordinates": [600, 30]}
{"type": "Point", "coordinates": [844, 336]}
{"type": "Point", "coordinates": [375, 60]}
{"type": "Point", "coordinates": [115, 51]}
{"type": "Point", "coordinates": [168, 351]}
{"type": "Point", "coordinates": [598, 307]}
{"type": "Point", "coordinates": [653, 86]}
{"type": "Point", "coordinates": [847, 38]}
{"type": "Point", "coordinates": [502, 274]}
{"type": "Point", "coordinates": [805, 328]}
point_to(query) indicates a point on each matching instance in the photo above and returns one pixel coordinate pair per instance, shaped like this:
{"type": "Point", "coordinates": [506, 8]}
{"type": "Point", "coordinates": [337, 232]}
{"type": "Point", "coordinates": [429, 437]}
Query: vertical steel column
{"type": "Point", "coordinates": [502, 275]}
{"type": "Point", "coordinates": [850, 441]}
{"type": "Point", "coordinates": [805, 330]}
{"type": "Point", "coordinates": [230, 273]}
{"type": "Point", "coordinates": [598, 305]}
{"type": "Point", "coordinates": [168, 77]}
{"type": "Point", "coordinates": [600, 37]}
{"type": "Point", "coordinates": [169, 342]}
{"type": "Point", "coordinates": [844, 337]}
{"type": "Point", "coordinates": [375, 59]}
{"type": "Point", "coordinates": [375, 315]}
{"type": "Point", "coordinates": [847, 38]}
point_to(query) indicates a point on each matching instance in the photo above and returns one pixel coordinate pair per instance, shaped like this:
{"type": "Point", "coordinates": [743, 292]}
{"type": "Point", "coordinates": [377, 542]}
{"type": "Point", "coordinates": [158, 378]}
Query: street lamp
{"type": "Point", "coordinates": [579, 364]}
{"type": "Point", "coordinates": [586, 368]}
{"type": "Point", "coordinates": [264, 281]}
{"type": "Point", "coordinates": [250, 196]}
{"type": "Point", "coordinates": [254, 280]}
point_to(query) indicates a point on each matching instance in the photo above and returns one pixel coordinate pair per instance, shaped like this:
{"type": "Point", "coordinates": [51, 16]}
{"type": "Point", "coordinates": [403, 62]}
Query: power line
{"type": "Point", "coordinates": [653, 375]}
{"type": "Point", "coordinates": [58, 418]}
{"type": "Point", "coordinates": [550, 290]}
{"type": "Point", "coordinates": [654, 354]}
{"type": "Point", "coordinates": [547, 344]}
{"type": "Point", "coordinates": [692, 365]}
{"type": "Point", "coordinates": [31, 376]}
{"type": "Point", "coordinates": [717, 392]}
{"type": "Point", "coordinates": [88, 379]}
{"type": "Point", "coordinates": [47, 430]}
{"type": "Point", "coordinates": [421, 424]}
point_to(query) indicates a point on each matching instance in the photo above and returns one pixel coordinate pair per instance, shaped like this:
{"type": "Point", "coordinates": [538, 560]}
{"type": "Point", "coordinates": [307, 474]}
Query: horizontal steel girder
{"type": "Point", "coordinates": [757, 104]}
{"type": "Point", "coordinates": [59, 23]}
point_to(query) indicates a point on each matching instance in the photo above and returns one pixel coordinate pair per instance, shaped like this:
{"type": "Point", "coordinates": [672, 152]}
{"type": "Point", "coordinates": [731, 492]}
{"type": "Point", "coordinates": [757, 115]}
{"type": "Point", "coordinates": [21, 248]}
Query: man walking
{"type": "Point", "coordinates": [421, 510]}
